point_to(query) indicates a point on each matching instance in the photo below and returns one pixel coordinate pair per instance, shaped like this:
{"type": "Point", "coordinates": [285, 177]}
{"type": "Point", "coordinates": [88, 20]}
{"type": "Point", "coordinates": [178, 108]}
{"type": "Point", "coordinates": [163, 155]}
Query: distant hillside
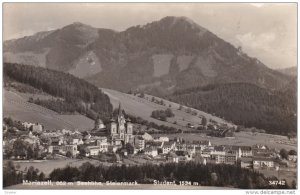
{"type": "Point", "coordinates": [160, 57]}
{"type": "Point", "coordinates": [143, 107]}
{"type": "Point", "coordinates": [16, 106]}
{"type": "Point", "coordinates": [291, 71]}
{"type": "Point", "coordinates": [76, 95]}
{"type": "Point", "coordinates": [245, 104]}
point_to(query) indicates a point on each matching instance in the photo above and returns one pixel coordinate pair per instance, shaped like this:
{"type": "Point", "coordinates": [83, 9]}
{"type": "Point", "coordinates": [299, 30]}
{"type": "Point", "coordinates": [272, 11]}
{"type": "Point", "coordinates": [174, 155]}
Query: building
{"type": "Point", "coordinates": [167, 147]}
{"type": "Point", "coordinates": [147, 137]}
{"type": "Point", "coordinates": [200, 159]}
{"type": "Point", "coordinates": [139, 142]}
{"type": "Point", "coordinates": [93, 150]}
{"type": "Point", "coordinates": [261, 162]}
{"type": "Point", "coordinates": [151, 151]}
{"type": "Point", "coordinates": [34, 127]}
{"type": "Point", "coordinates": [99, 124]}
{"type": "Point", "coordinates": [63, 149]}
{"type": "Point", "coordinates": [121, 130]}
{"type": "Point", "coordinates": [241, 151]}
{"type": "Point", "coordinates": [202, 143]}
{"type": "Point", "coordinates": [161, 139]}
{"type": "Point", "coordinates": [228, 158]}
{"type": "Point", "coordinates": [246, 162]}
{"type": "Point", "coordinates": [292, 158]}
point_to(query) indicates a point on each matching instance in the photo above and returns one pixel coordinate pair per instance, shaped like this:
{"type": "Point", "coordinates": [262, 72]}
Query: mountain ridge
{"type": "Point", "coordinates": [162, 56]}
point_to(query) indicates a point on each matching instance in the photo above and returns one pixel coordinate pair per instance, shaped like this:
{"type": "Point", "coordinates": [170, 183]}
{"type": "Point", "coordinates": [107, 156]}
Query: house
{"type": "Point", "coordinates": [202, 143]}
{"type": "Point", "coordinates": [31, 139]}
{"type": "Point", "coordinates": [228, 158]}
{"type": "Point", "coordinates": [103, 146]}
{"type": "Point", "coordinates": [65, 131]}
{"type": "Point", "coordinates": [191, 149]}
{"type": "Point", "coordinates": [245, 151]}
{"type": "Point", "coordinates": [183, 156]}
{"type": "Point", "coordinates": [206, 153]}
{"type": "Point", "coordinates": [292, 158]}
{"type": "Point", "coordinates": [63, 149]}
{"type": "Point", "coordinates": [261, 162]}
{"type": "Point", "coordinates": [151, 151]}
{"type": "Point", "coordinates": [57, 140]}
{"type": "Point", "coordinates": [139, 142]}
{"type": "Point", "coordinates": [180, 147]}
{"type": "Point", "coordinates": [93, 150]}
{"type": "Point", "coordinates": [218, 150]}
{"type": "Point", "coordinates": [167, 147]}
{"type": "Point", "coordinates": [241, 151]}
{"type": "Point", "coordinates": [27, 125]}
{"type": "Point", "coordinates": [246, 162]}
{"type": "Point", "coordinates": [172, 157]}
{"type": "Point", "coordinates": [147, 137]}
{"type": "Point", "coordinates": [34, 127]}
{"type": "Point", "coordinates": [74, 139]}
{"type": "Point", "coordinates": [161, 139]}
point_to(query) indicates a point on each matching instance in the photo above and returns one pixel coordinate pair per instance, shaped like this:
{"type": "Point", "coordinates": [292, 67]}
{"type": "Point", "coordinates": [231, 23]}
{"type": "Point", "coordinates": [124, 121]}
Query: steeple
{"type": "Point", "coordinates": [120, 110]}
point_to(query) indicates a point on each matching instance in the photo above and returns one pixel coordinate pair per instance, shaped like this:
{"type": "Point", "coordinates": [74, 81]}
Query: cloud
{"type": "Point", "coordinates": [261, 41]}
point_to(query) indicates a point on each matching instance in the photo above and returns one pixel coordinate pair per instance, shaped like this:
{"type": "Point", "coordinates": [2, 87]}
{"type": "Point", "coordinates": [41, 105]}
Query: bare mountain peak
{"type": "Point", "coordinates": [79, 26]}
{"type": "Point", "coordinates": [181, 20]}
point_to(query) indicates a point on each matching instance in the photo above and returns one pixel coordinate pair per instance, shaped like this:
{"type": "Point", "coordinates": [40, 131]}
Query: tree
{"type": "Point", "coordinates": [169, 112]}
{"type": "Point", "coordinates": [204, 121]}
{"type": "Point", "coordinates": [129, 148]}
{"type": "Point", "coordinates": [41, 176]}
{"type": "Point", "coordinates": [142, 95]}
{"type": "Point", "coordinates": [180, 107]}
{"type": "Point", "coordinates": [292, 152]}
{"type": "Point", "coordinates": [19, 148]}
{"type": "Point", "coordinates": [69, 154]}
{"type": "Point", "coordinates": [32, 174]}
{"type": "Point", "coordinates": [30, 153]}
{"type": "Point", "coordinates": [283, 153]}
{"type": "Point", "coordinates": [188, 110]}
{"type": "Point", "coordinates": [153, 99]}
{"type": "Point", "coordinates": [161, 102]}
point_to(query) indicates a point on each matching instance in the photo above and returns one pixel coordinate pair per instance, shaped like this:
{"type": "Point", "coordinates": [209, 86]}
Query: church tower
{"type": "Point", "coordinates": [121, 123]}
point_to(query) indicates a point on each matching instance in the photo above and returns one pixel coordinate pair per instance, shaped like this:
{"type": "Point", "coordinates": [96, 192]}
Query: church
{"type": "Point", "coordinates": [119, 131]}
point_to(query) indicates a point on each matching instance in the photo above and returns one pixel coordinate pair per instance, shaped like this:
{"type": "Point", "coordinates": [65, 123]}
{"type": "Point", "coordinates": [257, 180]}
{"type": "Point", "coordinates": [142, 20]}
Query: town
{"type": "Point", "coordinates": [117, 143]}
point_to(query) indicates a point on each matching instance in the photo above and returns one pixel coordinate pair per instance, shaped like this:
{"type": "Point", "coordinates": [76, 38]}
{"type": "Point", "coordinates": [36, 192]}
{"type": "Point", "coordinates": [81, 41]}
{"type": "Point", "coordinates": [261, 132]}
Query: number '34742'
{"type": "Point", "coordinates": [276, 182]}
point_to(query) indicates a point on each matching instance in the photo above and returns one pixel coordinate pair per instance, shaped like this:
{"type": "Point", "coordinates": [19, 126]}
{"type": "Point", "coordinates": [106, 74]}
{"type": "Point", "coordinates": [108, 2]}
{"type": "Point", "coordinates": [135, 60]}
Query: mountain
{"type": "Point", "coordinates": [292, 71]}
{"type": "Point", "coordinates": [246, 104]}
{"type": "Point", "coordinates": [161, 57]}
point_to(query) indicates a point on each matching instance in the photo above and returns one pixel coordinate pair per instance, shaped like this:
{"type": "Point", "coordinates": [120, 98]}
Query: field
{"type": "Point", "coordinates": [47, 166]}
{"type": "Point", "coordinates": [143, 108]}
{"type": "Point", "coordinates": [15, 105]}
{"type": "Point", "coordinates": [241, 138]}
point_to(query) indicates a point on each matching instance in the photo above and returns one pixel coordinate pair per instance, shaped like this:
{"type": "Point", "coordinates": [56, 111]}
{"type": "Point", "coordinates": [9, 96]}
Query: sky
{"type": "Point", "coordinates": [267, 31]}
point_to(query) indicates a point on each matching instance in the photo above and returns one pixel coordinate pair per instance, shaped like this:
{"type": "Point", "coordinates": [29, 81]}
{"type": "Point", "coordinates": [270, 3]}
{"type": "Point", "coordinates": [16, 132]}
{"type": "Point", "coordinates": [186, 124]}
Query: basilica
{"type": "Point", "coordinates": [119, 131]}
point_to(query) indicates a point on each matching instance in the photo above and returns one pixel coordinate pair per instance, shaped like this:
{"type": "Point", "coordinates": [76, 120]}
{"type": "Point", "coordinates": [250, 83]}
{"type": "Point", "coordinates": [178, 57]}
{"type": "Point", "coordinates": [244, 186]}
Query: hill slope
{"type": "Point", "coordinates": [161, 57]}
{"type": "Point", "coordinates": [75, 95]}
{"type": "Point", "coordinates": [246, 104]}
{"type": "Point", "coordinates": [16, 106]}
{"type": "Point", "coordinates": [291, 71]}
{"type": "Point", "coordinates": [143, 108]}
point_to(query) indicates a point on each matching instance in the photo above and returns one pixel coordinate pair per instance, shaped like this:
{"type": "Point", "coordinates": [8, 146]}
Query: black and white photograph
{"type": "Point", "coordinates": [149, 96]}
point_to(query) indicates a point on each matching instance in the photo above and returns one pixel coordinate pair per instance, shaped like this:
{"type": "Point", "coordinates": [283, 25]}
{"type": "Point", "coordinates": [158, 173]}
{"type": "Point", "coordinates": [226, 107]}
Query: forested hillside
{"type": "Point", "coordinates": [78, 95]}
{"type": "Point", "coordinates": [246, 104]}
